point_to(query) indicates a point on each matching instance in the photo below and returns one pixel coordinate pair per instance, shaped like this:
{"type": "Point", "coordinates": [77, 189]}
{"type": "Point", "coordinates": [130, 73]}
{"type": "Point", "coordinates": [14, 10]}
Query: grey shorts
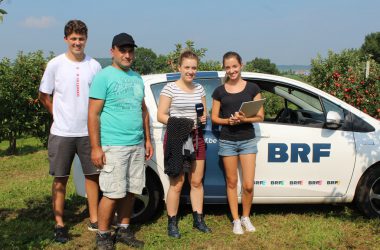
{"type": "Point", "coordinates": [123, 172]}
{"type": "Point", "coordinates": [61, 151]}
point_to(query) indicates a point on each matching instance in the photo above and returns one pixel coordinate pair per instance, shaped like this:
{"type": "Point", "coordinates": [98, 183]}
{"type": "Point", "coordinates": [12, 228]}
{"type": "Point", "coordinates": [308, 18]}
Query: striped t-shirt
{"type": "Point", "coordinates": [183, 103]}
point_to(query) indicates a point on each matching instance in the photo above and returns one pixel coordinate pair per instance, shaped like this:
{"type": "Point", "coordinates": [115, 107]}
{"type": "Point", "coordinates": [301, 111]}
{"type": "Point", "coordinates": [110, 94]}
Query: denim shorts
{"type": "Point", "coordinates": [123, 172]}
{"type": "Point", "coordinates": [231, 148]}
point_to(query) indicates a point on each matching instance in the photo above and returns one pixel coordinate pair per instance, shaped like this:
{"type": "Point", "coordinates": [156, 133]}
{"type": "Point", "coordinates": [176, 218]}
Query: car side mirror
{"type": "Point", "coordinates": [333, 120]}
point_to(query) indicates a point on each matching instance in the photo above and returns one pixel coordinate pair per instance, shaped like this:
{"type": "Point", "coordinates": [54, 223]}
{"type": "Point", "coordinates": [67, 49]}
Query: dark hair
{"type": "Point", "coordinates": [187, 54]}
{"type": "Point", "coordinates": [75, 26]}
{"type": "Point", "coordinates": [230, 54]}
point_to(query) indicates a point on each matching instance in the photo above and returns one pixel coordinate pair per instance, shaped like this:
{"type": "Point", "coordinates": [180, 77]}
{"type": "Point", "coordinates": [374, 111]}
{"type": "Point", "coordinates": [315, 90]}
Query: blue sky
{"type": "Point", "coordinates": [286, 32]}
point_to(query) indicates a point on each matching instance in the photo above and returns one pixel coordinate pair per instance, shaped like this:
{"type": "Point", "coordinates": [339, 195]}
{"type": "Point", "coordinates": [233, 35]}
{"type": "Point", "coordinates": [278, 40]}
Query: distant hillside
{"type": "Point", "coordinates": [294, 67]}
{"type": "Point", "coordinates": [104, 61]}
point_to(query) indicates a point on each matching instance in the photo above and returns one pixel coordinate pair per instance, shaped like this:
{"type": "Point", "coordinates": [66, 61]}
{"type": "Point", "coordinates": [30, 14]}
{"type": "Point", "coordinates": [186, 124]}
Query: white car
{"type": "Point", "coordinates": [313, 148]}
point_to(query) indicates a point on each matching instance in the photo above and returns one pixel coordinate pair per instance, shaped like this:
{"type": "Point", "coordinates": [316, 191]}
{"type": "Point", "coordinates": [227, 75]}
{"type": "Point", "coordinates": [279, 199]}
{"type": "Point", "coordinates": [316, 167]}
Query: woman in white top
{"type": "Point", "coordinates": [178, 99]}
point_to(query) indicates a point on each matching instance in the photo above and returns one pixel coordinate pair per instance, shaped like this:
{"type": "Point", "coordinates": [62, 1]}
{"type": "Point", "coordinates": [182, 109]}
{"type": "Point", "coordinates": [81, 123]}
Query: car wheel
{"type": "Point", "coordinates": [368, 194]}
{"type": "Point", "coordinates": [147, 204]}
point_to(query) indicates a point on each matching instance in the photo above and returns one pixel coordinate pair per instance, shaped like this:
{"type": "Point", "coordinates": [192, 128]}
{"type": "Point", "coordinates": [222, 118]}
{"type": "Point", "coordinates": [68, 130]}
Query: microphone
{"type": "Point", "coordinates": [199, 108]}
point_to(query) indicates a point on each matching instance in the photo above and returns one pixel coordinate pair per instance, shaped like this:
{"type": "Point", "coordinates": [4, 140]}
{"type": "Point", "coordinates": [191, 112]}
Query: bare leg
{"type": "Point", "coordinates": [174, 192]}
{"type": "Point", "coordinates": [92, 190]}
{"type": "Point", "coordinates": [196, 191]}
{"type": "Point", "coordinates": [105, 213]}
{"type": "Point", "coordinates": [58, 198]}
{"type": "Point", "coordinates": [125, 208]}
{"type": "Point", "coordinates": [248, 168]}
{"type": "Point", "coordinates": [231, 166]}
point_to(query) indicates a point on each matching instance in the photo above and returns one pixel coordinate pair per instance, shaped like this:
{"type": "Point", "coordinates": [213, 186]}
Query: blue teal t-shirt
{"type": "Point", "coordinates": [121, 118]}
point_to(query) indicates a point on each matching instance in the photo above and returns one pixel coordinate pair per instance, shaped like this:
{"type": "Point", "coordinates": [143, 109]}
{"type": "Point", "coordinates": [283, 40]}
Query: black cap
{"type": "Point", "coordinates": [123, 39]}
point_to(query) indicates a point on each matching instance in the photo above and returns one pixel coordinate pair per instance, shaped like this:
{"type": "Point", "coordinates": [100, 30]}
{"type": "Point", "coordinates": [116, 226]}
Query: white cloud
{"type": "Point", "coordinates": [42, 22]}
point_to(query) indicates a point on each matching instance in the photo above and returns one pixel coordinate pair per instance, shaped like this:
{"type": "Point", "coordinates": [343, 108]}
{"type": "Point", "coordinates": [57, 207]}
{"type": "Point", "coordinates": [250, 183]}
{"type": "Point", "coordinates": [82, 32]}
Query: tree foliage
{"type": "Point", "coordinates": [344, 76]}
{"type": "Point", "coordinates": [210, 65]}
{"type": "Point", "coordinates": [145, 61]}
{"type": "Point", "coordinates": [2, 13]}
{"type": "Point", "coordinates": [174, 55]}
{"type": "Point", "coordinates": [5, 78]}
{"type": "Point", "coordinates": [371, 45]}
{"type": "Point", "coordinates": [261, 65]}
{"type": "Point", "coordinates": [21, 112]}
{"type": "Point", "coordinates": [162, 64]}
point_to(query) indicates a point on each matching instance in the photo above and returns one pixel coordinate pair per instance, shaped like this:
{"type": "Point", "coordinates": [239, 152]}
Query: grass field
{"type": "Point", "coordinates": [26, 220]}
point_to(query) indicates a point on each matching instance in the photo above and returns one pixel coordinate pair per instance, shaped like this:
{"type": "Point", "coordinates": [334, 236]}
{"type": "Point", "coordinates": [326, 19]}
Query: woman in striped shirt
{"type": "Point", "coordinates": [178, 99]}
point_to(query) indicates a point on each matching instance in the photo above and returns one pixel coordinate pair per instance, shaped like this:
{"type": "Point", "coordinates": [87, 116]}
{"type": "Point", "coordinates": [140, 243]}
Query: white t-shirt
{"type": "Point", "coordinates": [69, 82]}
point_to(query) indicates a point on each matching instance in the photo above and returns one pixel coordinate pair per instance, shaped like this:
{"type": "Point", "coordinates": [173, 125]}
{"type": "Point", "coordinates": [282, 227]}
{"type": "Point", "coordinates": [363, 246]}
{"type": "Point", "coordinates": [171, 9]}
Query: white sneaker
{"type": "Point", "coordinates": [237, 227]}
{"type": "Point", "coordinates": [247, 224]}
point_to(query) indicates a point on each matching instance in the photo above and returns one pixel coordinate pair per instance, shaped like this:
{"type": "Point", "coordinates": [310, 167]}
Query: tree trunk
{"type": "Point", "coordinates": [12, 145]}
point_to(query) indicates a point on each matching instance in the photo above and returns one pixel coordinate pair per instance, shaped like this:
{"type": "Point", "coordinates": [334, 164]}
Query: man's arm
{"type": "Point", "coordinates": [95, 107]}
{"type": "Point", "coordinates": [148, 144]}
{"type": "Point", "coordinates": [45, 99]}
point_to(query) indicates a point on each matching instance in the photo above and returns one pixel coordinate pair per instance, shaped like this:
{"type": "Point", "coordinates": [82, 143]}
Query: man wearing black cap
{"type": "Point", "coordinates": [118, 123]}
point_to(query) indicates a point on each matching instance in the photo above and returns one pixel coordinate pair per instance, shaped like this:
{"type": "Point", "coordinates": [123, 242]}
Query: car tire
{"type": "Point", "coordinates": [368, 193]}
{"type": "Point", "coordinates": [147, 204]}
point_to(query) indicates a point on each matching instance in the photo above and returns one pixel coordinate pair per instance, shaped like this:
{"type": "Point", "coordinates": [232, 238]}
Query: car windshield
{"type": "Point", "coordinates": [302, 99]}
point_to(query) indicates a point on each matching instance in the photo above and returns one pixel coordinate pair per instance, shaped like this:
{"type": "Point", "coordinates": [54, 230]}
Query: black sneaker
{"type": "Point", "coordinates": [125, 235]}
{"type": "Point", "coordinates": [61, 234]}
{"type": "Point", "coordinates": [92, 226]}
{"type": "Point", "coordinates": [104, 241]}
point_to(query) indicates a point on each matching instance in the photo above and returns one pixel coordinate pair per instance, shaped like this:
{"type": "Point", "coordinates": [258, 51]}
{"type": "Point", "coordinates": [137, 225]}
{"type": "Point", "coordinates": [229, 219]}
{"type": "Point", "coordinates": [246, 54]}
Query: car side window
{"type": "Point", "coordinates": [209, 84]}
{"type": "Point", "coordinates": [156, 90]}
{"type": "Point", "coordinates": [289, 105]}
{"type": "Point", "coordinates": [329, 106]}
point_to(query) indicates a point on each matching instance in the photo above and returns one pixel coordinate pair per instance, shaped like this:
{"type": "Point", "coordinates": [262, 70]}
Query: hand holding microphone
{"type": "Point", "coordinates": [199, 109]}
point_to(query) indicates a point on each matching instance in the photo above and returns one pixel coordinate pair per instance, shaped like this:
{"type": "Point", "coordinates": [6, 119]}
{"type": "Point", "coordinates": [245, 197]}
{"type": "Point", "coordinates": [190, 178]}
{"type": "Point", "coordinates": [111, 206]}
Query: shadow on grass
{"type": "Point", "coordinates": [32, 227]}
{"type": "Point", "coordinates": [23, 150]}
{"type": "Point", "coordinates": [136, 225]}
{"type": "Point", "coordinates": [340, 211]}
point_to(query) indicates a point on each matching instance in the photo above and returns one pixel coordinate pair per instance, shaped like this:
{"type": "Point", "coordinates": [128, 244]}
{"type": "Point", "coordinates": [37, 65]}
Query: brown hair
{"type": "Point", "coordinates": [230, 54]}
{"type": "Point", "coordinates": [75, 26]}
{"type": "Point", "coordinates": [187, 54]}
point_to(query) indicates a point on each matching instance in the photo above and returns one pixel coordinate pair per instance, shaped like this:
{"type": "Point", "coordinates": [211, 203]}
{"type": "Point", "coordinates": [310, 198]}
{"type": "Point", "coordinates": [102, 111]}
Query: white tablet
{"type": "Point", "coordinates": [251, 108]}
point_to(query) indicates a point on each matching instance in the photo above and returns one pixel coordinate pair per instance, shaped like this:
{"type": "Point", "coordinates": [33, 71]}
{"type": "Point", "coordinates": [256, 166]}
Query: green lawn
{"type": "Point", "coordinates": [26, 218]}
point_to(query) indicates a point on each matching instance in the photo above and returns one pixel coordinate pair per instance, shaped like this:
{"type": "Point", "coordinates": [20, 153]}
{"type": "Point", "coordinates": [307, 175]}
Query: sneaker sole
{"type": "Point", "coordinates": [61, 241]}
{"type": "Point", "coordinates": [247, 230]}
{"type": "Point", "coordinates": [92, 229]}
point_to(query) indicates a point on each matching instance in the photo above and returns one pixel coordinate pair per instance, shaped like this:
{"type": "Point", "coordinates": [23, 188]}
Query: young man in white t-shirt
{"type": "Point", "coordinates": [67, 78]}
